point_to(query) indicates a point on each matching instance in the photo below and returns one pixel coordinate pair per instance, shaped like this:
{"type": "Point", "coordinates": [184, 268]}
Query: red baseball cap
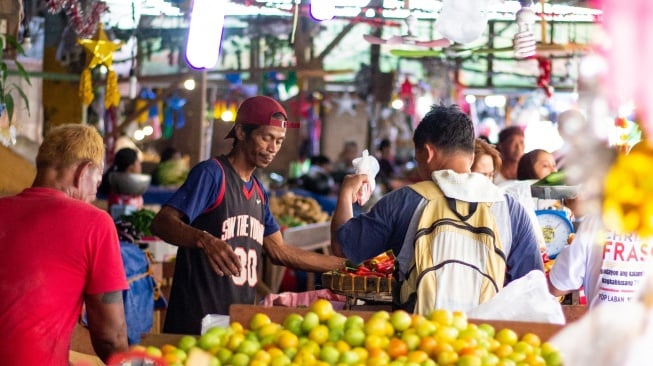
{"type": "Point", "coordinates": [258, 110]}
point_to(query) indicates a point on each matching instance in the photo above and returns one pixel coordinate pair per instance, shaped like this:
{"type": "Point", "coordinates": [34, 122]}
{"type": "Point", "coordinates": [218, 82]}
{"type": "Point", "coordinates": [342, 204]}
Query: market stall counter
{"type": "Point", "coordinates": [82, 350]}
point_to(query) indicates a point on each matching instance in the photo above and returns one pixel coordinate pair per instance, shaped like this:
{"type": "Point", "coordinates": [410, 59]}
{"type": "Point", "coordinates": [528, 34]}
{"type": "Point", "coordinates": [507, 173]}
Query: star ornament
{"type": "Point", "coordinates": [100, 47]}
{"type": "Point", "coordinates": [346, 104]}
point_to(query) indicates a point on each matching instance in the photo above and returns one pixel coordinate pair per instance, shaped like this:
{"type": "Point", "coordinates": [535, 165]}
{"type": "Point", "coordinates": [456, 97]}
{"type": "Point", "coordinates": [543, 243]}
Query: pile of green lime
{"type": "Point", "coordinates": [324, 336]}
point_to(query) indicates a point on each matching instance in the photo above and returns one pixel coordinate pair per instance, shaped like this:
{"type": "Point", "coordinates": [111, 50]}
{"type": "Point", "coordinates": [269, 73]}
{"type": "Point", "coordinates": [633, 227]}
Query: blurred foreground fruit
{"type": "Point", "coordinates": [325, 337]}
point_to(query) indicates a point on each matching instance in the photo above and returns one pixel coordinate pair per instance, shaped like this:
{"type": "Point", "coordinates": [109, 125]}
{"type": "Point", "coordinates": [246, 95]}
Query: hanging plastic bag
{"type": "Point", "coordinates": [366, 164]}
{"type": "Point", "coordinates": [524, 299]}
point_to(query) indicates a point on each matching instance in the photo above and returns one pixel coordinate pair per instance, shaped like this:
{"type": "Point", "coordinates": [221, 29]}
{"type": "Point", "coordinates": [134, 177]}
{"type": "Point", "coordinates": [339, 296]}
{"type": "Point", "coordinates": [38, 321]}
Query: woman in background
{"type": "Point", "coordinates": [487, 159]}
{"type": "Point", "coordinates": [126, 160]}
{"type": "Point", "coordinates": [536, 164]}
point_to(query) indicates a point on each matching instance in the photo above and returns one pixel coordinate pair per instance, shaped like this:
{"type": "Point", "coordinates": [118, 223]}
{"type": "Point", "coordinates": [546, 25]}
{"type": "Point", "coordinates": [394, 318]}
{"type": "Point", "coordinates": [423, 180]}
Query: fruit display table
{"type": "Point", "coordinates": [282, 335]}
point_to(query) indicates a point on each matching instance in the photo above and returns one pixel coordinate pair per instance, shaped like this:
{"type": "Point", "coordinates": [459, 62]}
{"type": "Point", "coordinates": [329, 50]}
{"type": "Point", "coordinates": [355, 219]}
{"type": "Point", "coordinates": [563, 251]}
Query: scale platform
{"type": "Point", "coordinates": [554, 192]}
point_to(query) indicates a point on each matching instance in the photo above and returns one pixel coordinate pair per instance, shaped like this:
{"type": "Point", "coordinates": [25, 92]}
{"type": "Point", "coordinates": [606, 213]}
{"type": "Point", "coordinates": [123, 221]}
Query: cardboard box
{"type": "Point", "coordinates": [162, 251]}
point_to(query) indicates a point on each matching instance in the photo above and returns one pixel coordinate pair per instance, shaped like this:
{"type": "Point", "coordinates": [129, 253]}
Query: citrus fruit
{"type": "Point", "coordinates": [311, 320]}
{"type": "Point", "coordinates": [507, 336]}
{"type": "Point", "coordinates": [287, 339]}
{"type": "Point", "coordinates": [259, 320]}
{"type": "Point", "coordinates": [323, 308]}
{"type": "Point", "coordinates": [293, 323]}
{"type": "Point", "coordinates": [400, 320]}
{"type": "Point", "coordinates": [319, 334]}
{"type": "Point", "coordinates": [397, 348]}
{"type": "Point", "coordinates": [329, 354]}
{"type": "Point", "coordinates": [187, 342]}
{"type": "Point", "coordinates": [336, 321]}
{"type": "Point", "coordinates": [354, 336]}
{"type": "Point", "coordinates": [354, 321]}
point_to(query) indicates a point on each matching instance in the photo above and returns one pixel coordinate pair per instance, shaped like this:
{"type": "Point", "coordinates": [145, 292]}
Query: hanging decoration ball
{"type": "Point", "coordinates": [628, 193]}
{"type": "Point", "coordinates": [100, 49]}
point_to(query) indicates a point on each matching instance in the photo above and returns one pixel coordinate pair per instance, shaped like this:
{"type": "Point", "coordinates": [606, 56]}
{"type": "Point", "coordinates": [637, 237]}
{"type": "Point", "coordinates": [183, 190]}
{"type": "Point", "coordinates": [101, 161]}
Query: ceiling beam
{"type": "Point", "coordinates": [336, 40]}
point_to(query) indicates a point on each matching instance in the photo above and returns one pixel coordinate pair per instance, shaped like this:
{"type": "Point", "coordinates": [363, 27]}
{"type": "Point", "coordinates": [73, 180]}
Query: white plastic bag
{"type": "Point", "coordinates": [524, 299]}
{"type": "Point", "coordinates": [214, 320]}
{"type": "Point", "coordinates": [366, 164]}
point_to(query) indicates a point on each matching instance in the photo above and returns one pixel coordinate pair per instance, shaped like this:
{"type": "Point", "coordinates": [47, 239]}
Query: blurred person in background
{"type": "Point", "coordinates": [58, 253]}
{"type": "Point", "coordinates": [570, 125]}
{"type": "Point", "coordinates": [126, 160]}
{"type": "Point", "coordinates": [487, 160]}
{"type": "Point", "coordinates": [609, 266]}
{"type": "Point", "coordinates": [387, 169]}
{"type": "Point", "coordinates": [536, 164]}
{"type": "Point", "coordinates": [343, 165]}
{"type": "Point", "coordinates": [220, 219]}
{"type": "Point", "coordinates": [172, 169]}
{"type": "Point", "coordinates": [318, 180]}
{"type": "Point", "coordinates": [511, 147]}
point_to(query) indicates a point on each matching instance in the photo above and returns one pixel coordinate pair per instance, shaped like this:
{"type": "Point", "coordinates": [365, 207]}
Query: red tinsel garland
{"type": "Point", "coordinates": [84, 21]}
{"type": "Point", "coordinates": [544, 80]}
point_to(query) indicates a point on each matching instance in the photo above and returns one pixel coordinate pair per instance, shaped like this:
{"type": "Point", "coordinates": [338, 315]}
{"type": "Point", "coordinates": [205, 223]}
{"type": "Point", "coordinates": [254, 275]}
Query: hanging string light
{"type": "Point", "coordinates": [524, 40]}
{"type": "Point", "coordinates": [323, 9]}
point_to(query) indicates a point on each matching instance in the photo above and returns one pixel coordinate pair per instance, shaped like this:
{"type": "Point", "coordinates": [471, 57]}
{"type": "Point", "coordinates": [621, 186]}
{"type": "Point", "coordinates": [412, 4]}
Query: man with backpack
{"type": "Point", "coordinates": [458, 239]}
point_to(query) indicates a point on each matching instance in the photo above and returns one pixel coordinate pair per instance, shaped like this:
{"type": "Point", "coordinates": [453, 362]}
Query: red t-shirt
{"type": "Point", "coordinates": [53, 250]}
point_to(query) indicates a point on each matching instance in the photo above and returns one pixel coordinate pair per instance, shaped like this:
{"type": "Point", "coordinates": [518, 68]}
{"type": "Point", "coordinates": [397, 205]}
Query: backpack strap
{"type": "Point", "coordinates": [427, 189]}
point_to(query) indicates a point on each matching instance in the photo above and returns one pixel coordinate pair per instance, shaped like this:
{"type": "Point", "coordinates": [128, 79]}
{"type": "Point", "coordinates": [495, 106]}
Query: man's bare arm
{"type": "Point", "coordinates": [106, 323]}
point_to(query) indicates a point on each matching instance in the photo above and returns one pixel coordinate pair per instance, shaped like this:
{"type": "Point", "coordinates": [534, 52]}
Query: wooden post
{"type": "Point", "coordinates": [204, 148]}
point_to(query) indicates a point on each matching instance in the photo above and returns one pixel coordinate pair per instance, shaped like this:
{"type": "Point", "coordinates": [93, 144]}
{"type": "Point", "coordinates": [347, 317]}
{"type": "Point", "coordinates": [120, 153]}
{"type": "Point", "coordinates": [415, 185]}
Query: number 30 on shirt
{"type": "Point", "coordinates": [248, 263]}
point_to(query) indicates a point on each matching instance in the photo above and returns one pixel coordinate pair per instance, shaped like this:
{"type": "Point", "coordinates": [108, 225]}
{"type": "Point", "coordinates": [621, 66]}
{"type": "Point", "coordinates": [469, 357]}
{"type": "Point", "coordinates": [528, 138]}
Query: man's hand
{"type": "Point", "coordinates": [170, 225]}
{"type": "Point", "coordinates": [221, 256]}
{"type": "Point", "coordinates": [351, 184]}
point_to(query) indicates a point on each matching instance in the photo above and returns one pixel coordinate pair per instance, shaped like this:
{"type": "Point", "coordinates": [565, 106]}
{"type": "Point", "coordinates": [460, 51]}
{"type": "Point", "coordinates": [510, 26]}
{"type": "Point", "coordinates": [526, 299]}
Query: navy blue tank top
{"type": "Point", "coordinates": [236, 217]}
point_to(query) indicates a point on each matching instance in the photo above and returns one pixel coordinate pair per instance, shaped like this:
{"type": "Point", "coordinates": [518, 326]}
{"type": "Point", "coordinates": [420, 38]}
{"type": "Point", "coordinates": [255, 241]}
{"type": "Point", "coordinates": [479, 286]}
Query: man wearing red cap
{"type": "Point", "coordinates": [221, 221]}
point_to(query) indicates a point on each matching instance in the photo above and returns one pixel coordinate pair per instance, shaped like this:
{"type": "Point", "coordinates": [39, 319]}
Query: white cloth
{"type": "Point", "coordinates": [609, 266]}
{"type": "Point", "coordinates": [469, 187]}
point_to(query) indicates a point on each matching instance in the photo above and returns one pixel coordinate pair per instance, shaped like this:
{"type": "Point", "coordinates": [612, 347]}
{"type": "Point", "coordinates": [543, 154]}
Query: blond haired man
{"type": "Point", "coordinates": [58, 252]}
